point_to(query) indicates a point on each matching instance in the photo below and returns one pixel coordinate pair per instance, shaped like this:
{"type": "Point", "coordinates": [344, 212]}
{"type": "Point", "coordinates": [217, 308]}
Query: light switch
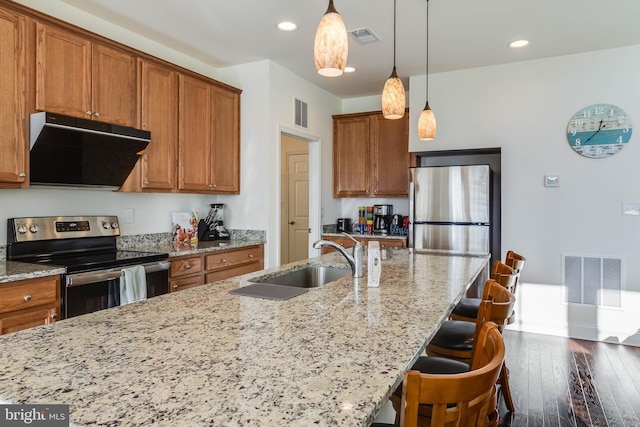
{"type": "Point", "coordinates": [630, 208]}
{"type": "Point", "coordinates": [128, 216]}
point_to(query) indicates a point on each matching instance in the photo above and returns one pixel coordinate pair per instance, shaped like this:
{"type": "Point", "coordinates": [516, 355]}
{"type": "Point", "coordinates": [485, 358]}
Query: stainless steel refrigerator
{"type": "Point", "coordinates": [449, 209]}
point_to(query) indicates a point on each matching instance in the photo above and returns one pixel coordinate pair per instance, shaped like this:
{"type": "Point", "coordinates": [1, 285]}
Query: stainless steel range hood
{"type": "Point", "coordinates": [71, 152]}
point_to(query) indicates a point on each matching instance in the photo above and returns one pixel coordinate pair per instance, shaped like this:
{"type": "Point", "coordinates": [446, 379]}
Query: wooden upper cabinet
{"type": "Point", "coordinates": [194, 146]}
{"type": "Point", "coordinates": [390, 150]}
{"type": "Point", "coordinates": [209, 137]}
{"type": "Point", "coordinates": [159, 115]}
{"type": "Point", "coordinates": [370, 156]}
{"type": "Point", "coordinates": [83, 79]}
{"type": "Point", "coordinates": [14, 119]}
{"type": "Point", "coordinates": [226, 141]}
{"type": "Point", "coordinates": [351, 146]}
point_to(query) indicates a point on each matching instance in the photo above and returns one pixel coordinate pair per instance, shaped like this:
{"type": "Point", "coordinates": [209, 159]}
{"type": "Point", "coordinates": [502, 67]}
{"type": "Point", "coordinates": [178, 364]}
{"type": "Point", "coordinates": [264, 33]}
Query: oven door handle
{"type": "Point", "coordinates": [79, 279]}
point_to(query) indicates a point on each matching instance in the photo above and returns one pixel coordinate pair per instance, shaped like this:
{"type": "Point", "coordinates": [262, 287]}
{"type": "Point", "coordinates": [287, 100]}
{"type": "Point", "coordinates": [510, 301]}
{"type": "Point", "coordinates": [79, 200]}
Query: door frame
{"type": "Point", "coordinates": [315, 178]}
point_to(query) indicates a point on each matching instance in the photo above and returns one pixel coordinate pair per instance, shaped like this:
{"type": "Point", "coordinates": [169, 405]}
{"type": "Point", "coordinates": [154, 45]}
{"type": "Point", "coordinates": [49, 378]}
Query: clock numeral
{"type": "Point", "coordinates": [579, 122]}
{"type": "Point", "coordinates": [573, 132]}
{"type": "Point", "coordinates": [625, 130]}
{"type": "Point", "coordinates": [621, 119]}
{"type": "Point", "coordinates": [612, 112]}
{"type": "Point", "coordinates": [598, 110]}
{"type": "Point", "coordinates": [586, 114]}
{"type": "Point", "coordinates": [578, 141]}
{"type": "Point", "coordinates": [619, 140]}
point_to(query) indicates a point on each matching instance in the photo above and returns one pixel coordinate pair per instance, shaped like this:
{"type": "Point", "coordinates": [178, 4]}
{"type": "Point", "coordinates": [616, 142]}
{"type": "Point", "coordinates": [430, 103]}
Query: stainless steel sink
{"type": "Point", "coordinates": [311, 276]}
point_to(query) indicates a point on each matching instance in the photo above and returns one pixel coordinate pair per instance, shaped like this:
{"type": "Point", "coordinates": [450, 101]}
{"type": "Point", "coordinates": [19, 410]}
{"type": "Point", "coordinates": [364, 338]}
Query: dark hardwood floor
{"type": "Point", "coordinates": [566, 382]}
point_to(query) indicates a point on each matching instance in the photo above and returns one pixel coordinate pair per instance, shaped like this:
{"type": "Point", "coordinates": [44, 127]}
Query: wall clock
{"type": "Point", "coordinates": [599, 130]}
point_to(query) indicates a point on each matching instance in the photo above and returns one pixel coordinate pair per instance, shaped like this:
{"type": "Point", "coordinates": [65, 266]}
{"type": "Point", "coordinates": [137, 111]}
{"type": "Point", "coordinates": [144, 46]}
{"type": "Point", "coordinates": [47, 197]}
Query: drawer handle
{"type": "Point", "coordinates": [54, 316]}
{"type": "Point", "coordinates": [224, 261]}
{"type": "Point", "coordinates": [175, 286]}
{"type": "Point", "coordinates": [250, 255]}
{"type": "Point", "coordinates": [27, 297]}
{"type": "Point", "coordinates": [187, 267]}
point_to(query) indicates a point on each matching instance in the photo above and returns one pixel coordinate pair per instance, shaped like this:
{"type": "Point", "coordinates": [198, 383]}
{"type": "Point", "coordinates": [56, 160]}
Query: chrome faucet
{"type": "Point", "coordinates": [355, 259]}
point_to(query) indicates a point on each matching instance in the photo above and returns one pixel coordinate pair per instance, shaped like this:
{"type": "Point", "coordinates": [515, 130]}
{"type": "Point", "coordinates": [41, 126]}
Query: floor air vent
{"type": "Point", "coordinates": [592, 280]}
{"type": "Point", "coordinates": [301, 113]}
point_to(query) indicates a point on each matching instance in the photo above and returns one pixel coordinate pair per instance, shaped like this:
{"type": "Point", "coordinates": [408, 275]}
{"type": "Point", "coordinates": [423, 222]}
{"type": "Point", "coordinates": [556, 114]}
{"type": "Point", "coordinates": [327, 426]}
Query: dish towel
{"type": "Point", "coordinates": [133, 285]}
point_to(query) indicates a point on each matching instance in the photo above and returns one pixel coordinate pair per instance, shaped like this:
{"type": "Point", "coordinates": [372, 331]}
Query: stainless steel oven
{"type": "Point", "coordinates": [90, 291]}
{"type": "Point", "coordinates": [86, 246]}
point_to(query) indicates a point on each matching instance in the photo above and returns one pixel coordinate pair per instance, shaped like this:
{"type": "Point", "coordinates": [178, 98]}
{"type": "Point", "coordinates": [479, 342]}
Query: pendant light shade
{"type": "Point", "coordinates": [331, 46]}
{"type": "Point", "coordinates": [427, 120]}
{"type": "Point", "coordinates": [393, 98]}
{"type": "Point", "coordinates": [427, 124]}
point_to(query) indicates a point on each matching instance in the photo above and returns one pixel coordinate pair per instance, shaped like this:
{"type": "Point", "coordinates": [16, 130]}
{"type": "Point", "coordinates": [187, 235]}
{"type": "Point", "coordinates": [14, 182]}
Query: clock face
{"type": "Point", "coordinates": [599, 130]}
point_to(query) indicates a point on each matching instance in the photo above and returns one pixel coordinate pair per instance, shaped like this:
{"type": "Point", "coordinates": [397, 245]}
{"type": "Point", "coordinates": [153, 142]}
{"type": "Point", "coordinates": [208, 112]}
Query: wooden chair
{"type": "Point", "coordinates": [462, 399]}
{"type": "Point", "coordinates": [455, 338]}
{"type": "Point", "coordinates": [467, 308]}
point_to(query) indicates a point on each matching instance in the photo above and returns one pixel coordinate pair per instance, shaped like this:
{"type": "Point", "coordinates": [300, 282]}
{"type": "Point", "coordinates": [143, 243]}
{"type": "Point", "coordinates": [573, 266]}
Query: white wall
{"type": "Point", "coordinates": [524, 108]}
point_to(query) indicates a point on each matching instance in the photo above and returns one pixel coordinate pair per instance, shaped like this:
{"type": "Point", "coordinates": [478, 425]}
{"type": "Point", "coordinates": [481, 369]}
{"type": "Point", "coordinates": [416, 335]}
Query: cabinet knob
{"type": "Point", "coordinates": [54, 316]}
{"type": "Point", "coordinates": [175, 286]}
{"type": "Point", "coordinates": [187, 267]}
{"type": "Point", "coordinates": [96, 114]}
{"type": "Point", "coordinates": [22, 175]}
{"type": "Point", "coordinates": [146, 182]}
{"type": "Point", "coordinates": [89, 113]}
{"type": "Point", "coordinates": [291, 222]}
{"type": "Point", "coordinates": [366, 191]}
{"type": "Point", "coordinates": [250, 255]}
{"type": "Point", "coordinates": [224, 261]}
{"type": "Point", "coordinates": [27, 297]}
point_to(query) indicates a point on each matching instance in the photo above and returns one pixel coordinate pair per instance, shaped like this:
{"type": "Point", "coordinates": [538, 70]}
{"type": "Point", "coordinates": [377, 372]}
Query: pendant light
{"type": "Point", "coordinates": [331, 46]}
{"type": "Point", "coordinates": [393, 101]}
{"type": "Point", "coordinates": [427, 121]}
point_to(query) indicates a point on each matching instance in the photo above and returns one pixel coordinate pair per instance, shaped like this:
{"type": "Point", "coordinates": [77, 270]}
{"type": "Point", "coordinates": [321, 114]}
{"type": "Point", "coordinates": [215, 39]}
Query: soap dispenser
{"type": "Point", "coordinates": [374, 264]}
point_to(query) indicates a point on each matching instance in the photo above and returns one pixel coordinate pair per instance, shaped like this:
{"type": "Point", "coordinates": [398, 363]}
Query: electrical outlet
{"type": "Point", "coordinates": [630, 208]}
{"type": "Point", "coordinates": [128, 216]}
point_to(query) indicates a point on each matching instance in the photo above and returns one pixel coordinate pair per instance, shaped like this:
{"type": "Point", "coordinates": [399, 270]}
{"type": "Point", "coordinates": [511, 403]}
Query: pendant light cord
{"type": "Point", "coordinates": [394, 34]}
{"type": "Point", "coordinates": [427, 91]}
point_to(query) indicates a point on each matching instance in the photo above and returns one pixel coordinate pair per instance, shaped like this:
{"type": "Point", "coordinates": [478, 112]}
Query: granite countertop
{"type": "Point", "coordinates": [368, 236]}
{"type": "Point", "coordinates": [11, 271]}
{"type": "Point", "coordinates": [203, 247]}
{"type": "Point", "coordinates": [329, 357]}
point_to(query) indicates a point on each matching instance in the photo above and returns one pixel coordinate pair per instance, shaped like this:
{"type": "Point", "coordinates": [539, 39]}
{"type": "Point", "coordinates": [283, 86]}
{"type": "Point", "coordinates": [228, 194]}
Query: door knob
{"type": "Point", "coordinates": [291, 222]}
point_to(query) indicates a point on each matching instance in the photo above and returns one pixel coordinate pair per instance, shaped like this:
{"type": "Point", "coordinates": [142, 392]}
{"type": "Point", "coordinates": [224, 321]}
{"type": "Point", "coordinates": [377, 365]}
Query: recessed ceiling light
{"type": "Point", "coordinates": [518, 43]}
{"type": "Point", "coordinates": [287, 26]}
{"type": "Point", "coordinates": [349, 69]}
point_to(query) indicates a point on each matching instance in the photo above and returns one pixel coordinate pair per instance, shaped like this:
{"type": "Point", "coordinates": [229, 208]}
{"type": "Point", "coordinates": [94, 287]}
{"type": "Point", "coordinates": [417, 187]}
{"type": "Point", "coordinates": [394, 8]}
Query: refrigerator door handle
{"type": "Point", "coordinates": [411, 212]}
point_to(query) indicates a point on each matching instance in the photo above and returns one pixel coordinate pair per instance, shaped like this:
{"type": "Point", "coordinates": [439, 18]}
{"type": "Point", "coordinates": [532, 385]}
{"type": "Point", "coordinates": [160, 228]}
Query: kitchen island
{"type": "Point", "coordinates": [329, 357]}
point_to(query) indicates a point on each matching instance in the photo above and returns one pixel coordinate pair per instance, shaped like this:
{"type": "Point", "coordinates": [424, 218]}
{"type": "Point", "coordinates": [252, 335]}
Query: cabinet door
{"type": "Point", "coordinates": [194, 144]}
{"type": "Point", "coordinates": [113, 86]}
{"type": "Point", "coordinates": [13, 113]}
{"type": "Point", "coordinates": [63, 72]}
{"type": "Point", "coordinates": [226, 142]}
{"type": "Point", "coordinates": [159, 115]}
{"type": "Point", "coordinates": [351, 157]}
{"type": "Point", "coordinates": [390, 156]}
{"type": "Point", "coordinates": [26, 319]}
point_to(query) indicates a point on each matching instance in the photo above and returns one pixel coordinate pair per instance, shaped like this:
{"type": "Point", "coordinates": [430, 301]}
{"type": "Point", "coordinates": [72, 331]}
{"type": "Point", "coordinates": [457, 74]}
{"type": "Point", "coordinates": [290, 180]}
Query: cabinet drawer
{"type": "Point", "coordinates": [29, 293]}
{"type": "Point", "coordinates": [226, 259]}
{"type": "Point", "coordinates": [185, 283]}
{"type": "Point", "coordinates": [232, 272]}
{"type": "Point", "coordinates": [26, 319]}
{"type": "Point", "coordinates": [185, 266]}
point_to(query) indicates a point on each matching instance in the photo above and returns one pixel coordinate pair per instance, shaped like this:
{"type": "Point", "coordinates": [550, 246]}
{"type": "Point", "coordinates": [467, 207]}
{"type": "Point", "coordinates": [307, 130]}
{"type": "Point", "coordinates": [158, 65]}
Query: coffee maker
{"type": "Point", "coordinates": [382, 218]}
{"type": "Point", "coordinates": [212, 227]}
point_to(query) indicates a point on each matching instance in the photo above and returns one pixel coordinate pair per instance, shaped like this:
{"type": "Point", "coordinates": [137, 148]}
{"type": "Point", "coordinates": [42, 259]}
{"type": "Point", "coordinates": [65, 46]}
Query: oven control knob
{"type": "Point", "coordinates": [106, 225]}
{"type": "Point", "coordinates": [22, 229]}
{"type": "Point", "coordinates": [33, 228]}
{"type": "Point", "coordinates": [114, 225]}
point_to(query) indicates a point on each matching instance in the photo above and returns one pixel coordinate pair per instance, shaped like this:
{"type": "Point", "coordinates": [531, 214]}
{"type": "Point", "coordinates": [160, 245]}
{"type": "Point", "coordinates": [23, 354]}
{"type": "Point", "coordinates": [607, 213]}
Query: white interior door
{"type": "Point", "coordinates": [298, 206]}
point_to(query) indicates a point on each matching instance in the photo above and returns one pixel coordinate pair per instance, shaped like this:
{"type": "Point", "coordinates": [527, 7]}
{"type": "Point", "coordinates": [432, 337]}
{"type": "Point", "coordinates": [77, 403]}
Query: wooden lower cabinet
{"type": "Point", "coordinates": [195, 270]}
{"type": "Point", "coordinates": [345, 242]}
{"type": "Point", "coordinates": [28, 303]}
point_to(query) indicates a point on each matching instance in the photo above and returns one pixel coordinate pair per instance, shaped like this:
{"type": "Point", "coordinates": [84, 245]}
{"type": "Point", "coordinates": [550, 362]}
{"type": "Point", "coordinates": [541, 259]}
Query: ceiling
{"type": "Point", "coordinates": [462, 33]}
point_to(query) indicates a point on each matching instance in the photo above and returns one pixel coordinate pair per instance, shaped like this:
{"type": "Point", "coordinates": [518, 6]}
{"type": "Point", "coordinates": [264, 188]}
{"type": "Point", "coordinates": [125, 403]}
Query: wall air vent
{"type": "Point", "coordinates": [364, 35]}
{"type": "Point", "coordinates": [301, 113]}
{"type": "Point", "coordinates": [592, 280]}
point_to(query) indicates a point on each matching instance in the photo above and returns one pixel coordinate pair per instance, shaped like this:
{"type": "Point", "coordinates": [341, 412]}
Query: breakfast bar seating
{"type": "Point", "coordinates": [466, 398]}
